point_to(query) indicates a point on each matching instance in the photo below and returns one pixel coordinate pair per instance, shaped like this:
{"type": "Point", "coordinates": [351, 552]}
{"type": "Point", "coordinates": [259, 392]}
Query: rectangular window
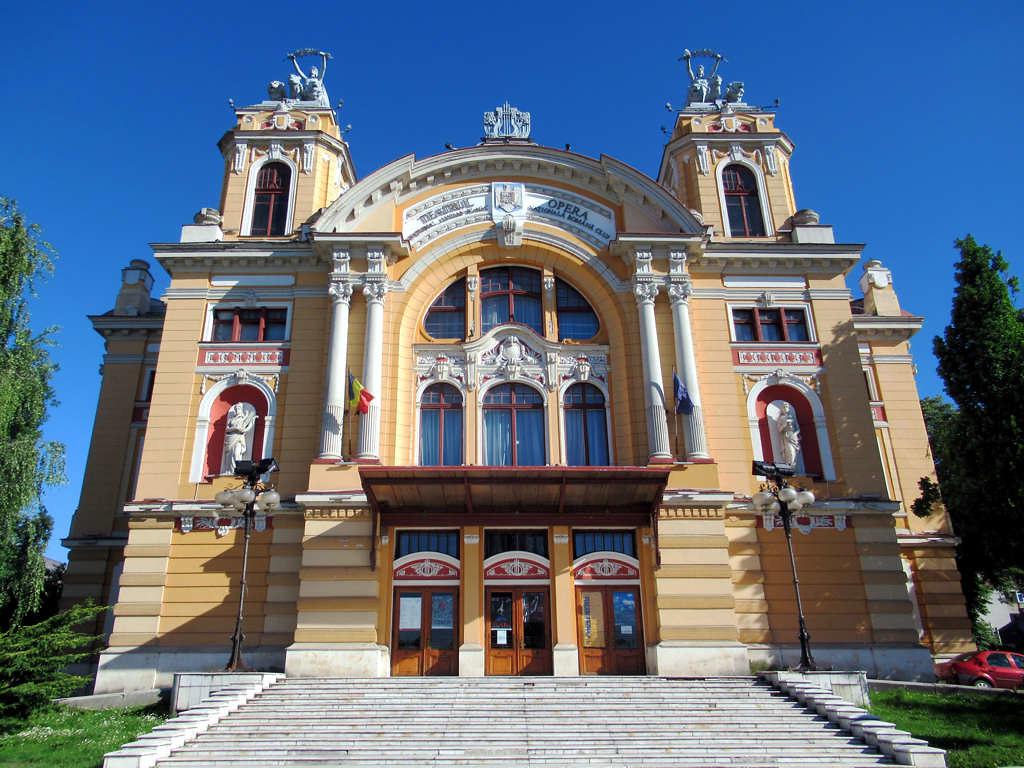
{"type": "Point", "coordinates": [445, 542]}
{"type": "Point", "coordinates": [588, 542]}
{"type": "Point", "coordinates": [496, 542]}
{"type": "Point", "coordinates": [258, 324]}
{"type": "Point", "coordinates": [770, 326]}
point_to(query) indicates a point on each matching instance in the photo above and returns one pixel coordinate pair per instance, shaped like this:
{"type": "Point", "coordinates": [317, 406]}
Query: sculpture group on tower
{"type": "Point", "coordinates": [302, 86]}
{"type": "Point", "coordinates": [706, 88]}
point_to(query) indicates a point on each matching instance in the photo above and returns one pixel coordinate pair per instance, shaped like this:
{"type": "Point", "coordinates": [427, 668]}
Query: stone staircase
{"type": "Point", "coordinates": [512, 722]}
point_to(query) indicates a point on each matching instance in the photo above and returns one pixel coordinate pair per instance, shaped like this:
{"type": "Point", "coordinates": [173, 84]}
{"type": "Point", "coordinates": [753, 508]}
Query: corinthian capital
{"type": "Point", "coordinates": [679, 289]}
{"type": "Point", "coordinates": [646, 291]}
{"type": "Point", "coordinates": [375, 290]}
{"type": "Point", "coordinates": [340, 290]}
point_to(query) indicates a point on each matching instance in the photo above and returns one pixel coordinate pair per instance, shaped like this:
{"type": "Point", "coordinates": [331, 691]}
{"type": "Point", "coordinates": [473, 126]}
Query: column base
{"type": "Point", "coordinates": [565, 660]}
{"type": "Point", "coordinates": [686, 659]}
{"type": "Point", "coordinates": [471, 660]}
{"type": "Point", "coordinates": [337, 660]}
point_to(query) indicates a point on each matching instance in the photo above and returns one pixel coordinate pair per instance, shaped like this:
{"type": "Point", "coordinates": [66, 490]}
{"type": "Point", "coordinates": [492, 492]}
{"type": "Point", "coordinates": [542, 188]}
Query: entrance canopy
{"type": "Point", "coordinates": [514, 495]}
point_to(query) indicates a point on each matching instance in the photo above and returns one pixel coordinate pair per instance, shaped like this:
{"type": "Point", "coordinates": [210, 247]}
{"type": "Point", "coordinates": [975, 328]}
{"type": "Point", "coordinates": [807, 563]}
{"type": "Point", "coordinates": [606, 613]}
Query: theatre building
{"type": "Point", "coordinates": [568, 368]}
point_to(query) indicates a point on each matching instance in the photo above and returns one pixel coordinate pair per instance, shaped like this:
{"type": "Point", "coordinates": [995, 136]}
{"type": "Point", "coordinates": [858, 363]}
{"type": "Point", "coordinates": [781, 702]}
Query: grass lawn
{"type": "Point", "coordinates": [73, 738]}
{"type": "Point", "coordinates": [976, 731]}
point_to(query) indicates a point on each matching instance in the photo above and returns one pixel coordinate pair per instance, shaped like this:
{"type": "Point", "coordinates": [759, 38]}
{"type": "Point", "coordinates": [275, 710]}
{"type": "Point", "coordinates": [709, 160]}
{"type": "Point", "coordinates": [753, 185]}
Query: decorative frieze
{"type": "Point", "coordinates": [804, 523]}
{"type": "Point", "coordinates": [776, 356]}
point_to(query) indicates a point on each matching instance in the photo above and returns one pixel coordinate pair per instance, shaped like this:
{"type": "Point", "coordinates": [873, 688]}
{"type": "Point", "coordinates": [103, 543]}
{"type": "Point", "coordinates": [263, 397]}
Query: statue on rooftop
{"type": "Point", "coordinates": [700, 90]}
{"type": "Point", "coordinates": [309, 87]}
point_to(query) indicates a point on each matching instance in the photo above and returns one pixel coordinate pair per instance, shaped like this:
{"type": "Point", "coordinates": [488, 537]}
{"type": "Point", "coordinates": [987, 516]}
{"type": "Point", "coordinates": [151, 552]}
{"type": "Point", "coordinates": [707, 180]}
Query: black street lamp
{"type": "Point", "coordinates": [254, 496]}
{"type": "Point", "coordinates": [779, 497]}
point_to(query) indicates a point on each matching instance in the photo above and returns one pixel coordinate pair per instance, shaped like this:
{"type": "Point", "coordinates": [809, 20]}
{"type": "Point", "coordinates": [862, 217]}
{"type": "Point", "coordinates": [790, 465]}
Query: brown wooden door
{"type": "Point", "coordinates": [610, 631]}
{"type": "Point", "coordinates": [518, 631]}
{"type": "Point", "coordinates": [425, 632]}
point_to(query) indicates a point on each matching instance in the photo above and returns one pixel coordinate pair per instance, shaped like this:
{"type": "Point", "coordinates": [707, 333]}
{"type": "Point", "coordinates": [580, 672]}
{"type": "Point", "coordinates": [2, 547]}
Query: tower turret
{"type": "Point", "coordinates": [284, 159]}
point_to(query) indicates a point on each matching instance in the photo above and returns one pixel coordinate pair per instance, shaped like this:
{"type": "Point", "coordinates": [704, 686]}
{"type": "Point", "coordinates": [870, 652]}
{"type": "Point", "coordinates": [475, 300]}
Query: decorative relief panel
{"type": "Point", "coordinates": [220, 356]}
{"type": "Point", "coordinates": [804, 523]}
{"type": "Point", "coordinates": [775, 356]}
{"type": "Point", "coordinates": [516, 565]}
{"type": "Point", "coordinates": [426, 566]}
{"type": "Point", "coordinates": [222, 525]}
{"type": "Point", "coordinates": [509, 353]}
{"type": "Point", "coordinates": [606, 566]}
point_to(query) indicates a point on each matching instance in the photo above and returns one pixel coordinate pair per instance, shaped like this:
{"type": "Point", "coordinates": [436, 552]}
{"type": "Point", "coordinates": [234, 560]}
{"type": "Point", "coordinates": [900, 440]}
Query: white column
{"type": "Point", "coordinates": [654, 392]}
{"type": "Point", "coordinates": [337, 356]}
{"type": "Point", "coordinates": [679, 290]}
{"type": "Point", "coordinates": [374, 290]}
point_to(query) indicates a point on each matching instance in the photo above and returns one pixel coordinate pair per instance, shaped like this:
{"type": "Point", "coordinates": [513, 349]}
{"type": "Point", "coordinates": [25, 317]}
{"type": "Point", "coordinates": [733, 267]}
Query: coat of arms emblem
{"type": "Point", "coordinates": [508, 197]}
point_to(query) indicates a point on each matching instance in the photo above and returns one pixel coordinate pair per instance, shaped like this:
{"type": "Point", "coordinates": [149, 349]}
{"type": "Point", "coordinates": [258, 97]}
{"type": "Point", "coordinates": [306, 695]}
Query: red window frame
{"type": "Point", "coordinates": [512, 291]}
{"type": "Point", "coordinates": [514, 406]}
{"type": "Point", "coordinates": [270, 200]}
{"type": "Point", "coordinates": [266, 316]}
{"type": "Point", "coordinates": [784, 322]}
{"type": "Point", "coordinates": [585, 403]}
{"type": "Point", "coordinates": [450, 399]}
{"type": "Point", "coordinates": [740, 187]}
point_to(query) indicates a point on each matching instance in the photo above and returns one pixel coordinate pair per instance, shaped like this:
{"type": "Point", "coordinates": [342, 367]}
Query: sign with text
{"type": "Point", "coordinates": [440, 214]}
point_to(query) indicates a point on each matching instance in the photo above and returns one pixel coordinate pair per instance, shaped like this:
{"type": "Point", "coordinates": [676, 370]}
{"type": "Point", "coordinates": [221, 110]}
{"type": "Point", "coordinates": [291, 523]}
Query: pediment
{"type": "Point", "coordinates": [426, 199]}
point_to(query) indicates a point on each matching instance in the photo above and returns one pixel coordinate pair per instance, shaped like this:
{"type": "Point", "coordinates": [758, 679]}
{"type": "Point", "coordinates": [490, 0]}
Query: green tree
{"type": "Point", "coordinates": [978, 444]}
{"type": "Point", "coordinates": [27, 462]}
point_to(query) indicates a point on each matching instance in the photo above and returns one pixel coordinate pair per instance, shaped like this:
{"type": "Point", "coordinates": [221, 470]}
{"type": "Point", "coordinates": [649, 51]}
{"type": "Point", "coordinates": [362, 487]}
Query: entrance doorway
{"type": "Point", "coordinates": [610, 630]}
{"type": "Point", "coordinates": [425, 634]}
{"type": "Point", "coordinates": [518, 631]}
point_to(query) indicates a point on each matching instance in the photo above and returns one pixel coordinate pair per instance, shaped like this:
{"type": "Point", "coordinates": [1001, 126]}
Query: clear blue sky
{"type": "Point", "coordinates": [903, 115]}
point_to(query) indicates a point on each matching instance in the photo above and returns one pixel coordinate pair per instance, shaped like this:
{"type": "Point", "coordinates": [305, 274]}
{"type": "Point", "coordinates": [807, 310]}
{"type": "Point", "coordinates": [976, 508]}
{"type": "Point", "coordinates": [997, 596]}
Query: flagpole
{"type": "Point", "coordinates": [675, 411]}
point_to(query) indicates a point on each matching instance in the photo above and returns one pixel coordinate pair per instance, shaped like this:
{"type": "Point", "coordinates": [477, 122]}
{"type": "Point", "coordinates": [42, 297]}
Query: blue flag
{"type": "Point", "coordinates": [683, 402]}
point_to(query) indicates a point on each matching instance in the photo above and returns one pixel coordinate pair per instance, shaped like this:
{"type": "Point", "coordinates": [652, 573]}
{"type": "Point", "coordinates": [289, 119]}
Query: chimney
{"type": "Point", "coordinates": [136, 283]}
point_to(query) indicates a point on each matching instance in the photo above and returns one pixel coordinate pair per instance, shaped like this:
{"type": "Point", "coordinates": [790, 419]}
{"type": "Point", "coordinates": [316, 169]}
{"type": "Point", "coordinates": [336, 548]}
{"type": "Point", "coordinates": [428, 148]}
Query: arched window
{"type": "Point", "coordinates": [441, 426]}
{"type": "Point", "coordinates": [511, 295]}
{"type": "Point", "coordinates": [742, 202]}
{"type": "Point", "coordinates": [513, 426]}
{"type": "Point", "coordinates": [586, 433]}
{"type": "Point", "coordinates": [270, 203]}
{"type": "Point", "coordinates": [576, 318]}
{"type": "Point", "coordinates": [446, 318]}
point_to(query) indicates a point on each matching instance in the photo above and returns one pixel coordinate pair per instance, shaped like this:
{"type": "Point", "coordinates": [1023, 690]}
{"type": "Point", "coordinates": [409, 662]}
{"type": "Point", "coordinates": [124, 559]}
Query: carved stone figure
{"type": "Point", "coordinates": [789, 434]}
{"type": "Point", "coordinates": [506, 122]}
{"type": "Point", "coordinates": [238, 435]}
{"type": "Point", "coordinates": [699, 91]}
{"type": "Point", "coordinates": [276, 91]}
{"type": "Point", "coordinates": [734, 92]}
{"type": "Point", "coordinates": [313, 83]}
{"type": "Point", "coordinates": [715, 94]}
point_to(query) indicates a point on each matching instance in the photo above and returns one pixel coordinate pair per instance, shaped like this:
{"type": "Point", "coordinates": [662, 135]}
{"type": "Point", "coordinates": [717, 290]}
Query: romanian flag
{"type": "Point", "coordinates": [358, 396]}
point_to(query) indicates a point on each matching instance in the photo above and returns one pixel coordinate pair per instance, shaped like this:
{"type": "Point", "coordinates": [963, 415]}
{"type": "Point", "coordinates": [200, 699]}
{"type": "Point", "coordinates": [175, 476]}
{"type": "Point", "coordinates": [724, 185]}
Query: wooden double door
{"type": "Point", "coordinates": [610, 630]}
{"type": "Point", "coordinates": [518, 631]}
{"type": "Point", "coordinates": [426, 634]}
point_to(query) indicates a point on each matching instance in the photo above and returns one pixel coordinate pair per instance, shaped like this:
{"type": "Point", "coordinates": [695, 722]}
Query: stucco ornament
{"type": "Point", "coordinates": [506, 122]}
{"type": "Point", "coordinates": [238, 436]}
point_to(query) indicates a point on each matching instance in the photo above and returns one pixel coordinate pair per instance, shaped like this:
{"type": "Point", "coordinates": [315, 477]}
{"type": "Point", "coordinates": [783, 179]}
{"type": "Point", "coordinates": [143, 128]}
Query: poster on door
{"type": "Point", "coordinates": [593, 619]}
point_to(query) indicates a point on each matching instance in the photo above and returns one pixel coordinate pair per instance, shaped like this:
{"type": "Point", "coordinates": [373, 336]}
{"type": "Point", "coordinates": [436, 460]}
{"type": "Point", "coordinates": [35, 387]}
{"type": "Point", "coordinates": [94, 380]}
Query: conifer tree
{"type": "Point", "coordinates": [27, 462]}
{"type": "Point", "coordinates": [979, 445]}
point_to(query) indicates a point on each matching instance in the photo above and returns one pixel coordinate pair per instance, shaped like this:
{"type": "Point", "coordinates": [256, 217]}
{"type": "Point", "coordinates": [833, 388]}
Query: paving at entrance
{"type": "Point", "coordinates": [606, 721]}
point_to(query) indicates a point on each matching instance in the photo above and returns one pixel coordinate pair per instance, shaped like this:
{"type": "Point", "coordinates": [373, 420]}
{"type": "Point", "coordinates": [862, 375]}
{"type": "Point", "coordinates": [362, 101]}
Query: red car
{"type": "Point", "coordinates": [984, 669]}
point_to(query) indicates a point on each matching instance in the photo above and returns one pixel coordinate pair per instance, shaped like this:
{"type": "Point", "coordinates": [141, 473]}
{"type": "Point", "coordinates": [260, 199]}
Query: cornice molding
{"type": "Point", "coordinates": [871, 327]}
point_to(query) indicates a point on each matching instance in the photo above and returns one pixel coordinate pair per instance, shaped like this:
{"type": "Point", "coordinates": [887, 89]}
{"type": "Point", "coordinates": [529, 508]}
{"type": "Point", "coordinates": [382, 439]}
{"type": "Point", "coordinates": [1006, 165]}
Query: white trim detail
{"type": "Point", "coordinates": [250, 189]}
{"type": "Point", "coordinates": [202, 433]}
{"type": "Point", "coordinates": [431, 561]}
{"type": "Point", "coordinates": [781, 378]}
{"type": "Point", "coordinates": [762, 196]}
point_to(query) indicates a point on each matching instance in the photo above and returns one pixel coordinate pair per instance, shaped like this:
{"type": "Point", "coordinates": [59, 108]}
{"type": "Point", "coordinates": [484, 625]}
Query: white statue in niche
{"type": "Point", "coordinates": [238, 436]}
{"type": "Point", "coordinates": [785, 434]}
